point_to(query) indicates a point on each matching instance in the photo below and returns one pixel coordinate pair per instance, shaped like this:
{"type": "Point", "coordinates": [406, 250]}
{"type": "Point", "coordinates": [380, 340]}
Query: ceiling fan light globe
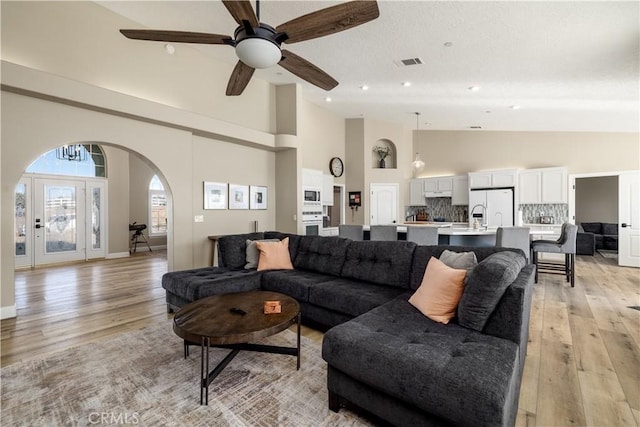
{"type": "Point", "coordinates": [258, 53]}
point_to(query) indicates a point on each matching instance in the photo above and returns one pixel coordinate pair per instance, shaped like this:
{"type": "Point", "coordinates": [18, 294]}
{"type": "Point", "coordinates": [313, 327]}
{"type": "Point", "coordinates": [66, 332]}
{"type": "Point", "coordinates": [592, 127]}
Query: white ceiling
{"type": "Point", "coordinates": [569, 66]}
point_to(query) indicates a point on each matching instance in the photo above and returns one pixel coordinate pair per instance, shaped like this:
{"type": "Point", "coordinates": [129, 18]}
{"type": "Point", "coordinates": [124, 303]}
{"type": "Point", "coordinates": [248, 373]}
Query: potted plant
{"type": "Point", "coordinates": [382, 152]}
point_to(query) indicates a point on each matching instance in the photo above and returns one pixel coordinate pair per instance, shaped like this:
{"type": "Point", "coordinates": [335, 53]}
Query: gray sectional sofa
{"type": "Point", "coordinates": [383, 355]}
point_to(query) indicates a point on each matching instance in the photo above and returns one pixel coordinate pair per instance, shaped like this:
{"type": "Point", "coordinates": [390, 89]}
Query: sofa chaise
{"type": "Point", "coordinates": [383, 354]}
{"type": "Point", "coordinates": [596, 235]}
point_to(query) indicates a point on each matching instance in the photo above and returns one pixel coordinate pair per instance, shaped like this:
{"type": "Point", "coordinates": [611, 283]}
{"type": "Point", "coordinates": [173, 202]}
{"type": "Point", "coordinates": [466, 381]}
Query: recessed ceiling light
{"type": "Point", "coordinates": [448, 44]}
{"type": "Point", "coordinates": [427, 124]}
{"type": "Point", "coordinates": [169, 49]}
{"type": "Point", "coordinates": [515, 107]}
{"type": "Point", "coordinates": [406, 84]}
{"type": "Point", "coordinates": [488, 111]}
{"type": "Point", "coordinates": [364, 87]}
{"type": "Point", "coordinates": [328, 99]}
{"type": "Point", "coordinates": [474, 88]}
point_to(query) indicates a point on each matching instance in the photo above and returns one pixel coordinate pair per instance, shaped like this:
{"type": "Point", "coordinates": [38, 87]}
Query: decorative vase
{"type": "Point", "coordinates": [382, 164]}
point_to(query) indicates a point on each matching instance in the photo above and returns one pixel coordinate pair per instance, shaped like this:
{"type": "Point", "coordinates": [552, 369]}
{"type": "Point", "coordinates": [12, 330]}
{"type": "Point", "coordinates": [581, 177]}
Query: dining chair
{"type": "Point", "coordinates": [566, 245]}
{"type": "Point", "coordinates": [515, 237]}
{"type": "Point", "coordinates": [383, 232]}
{"type": "Point", "coordinates": [422, 235]}
{"type": "Point", "coordinates": [349, 231]}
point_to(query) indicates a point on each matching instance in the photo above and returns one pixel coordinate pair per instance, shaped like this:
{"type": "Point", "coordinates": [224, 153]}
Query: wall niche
{"type": "Point", "coordinates": [384, 155]}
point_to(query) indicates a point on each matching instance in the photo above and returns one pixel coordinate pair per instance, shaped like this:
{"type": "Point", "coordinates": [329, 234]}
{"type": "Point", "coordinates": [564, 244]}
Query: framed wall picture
{"type": "Point", "coordinates": [215, 195]}
{"type": "Point", "coordinates": [238, 196]}
{"type": "Point", "coordinates": [258, 197]}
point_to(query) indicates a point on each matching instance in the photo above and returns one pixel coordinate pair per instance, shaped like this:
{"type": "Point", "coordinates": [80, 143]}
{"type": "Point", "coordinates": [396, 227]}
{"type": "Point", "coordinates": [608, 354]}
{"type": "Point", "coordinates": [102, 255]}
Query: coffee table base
{"type": "Point", "coordinates": [206, 377]}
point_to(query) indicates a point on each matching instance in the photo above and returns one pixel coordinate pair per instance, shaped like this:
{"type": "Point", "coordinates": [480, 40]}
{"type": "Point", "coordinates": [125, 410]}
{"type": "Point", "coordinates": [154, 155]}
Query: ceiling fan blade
{"type": "Point", "coordinates": [239, 79]}
{"type": "Point", "coordinates": [306, 70]}
{"type": "Point", "coordinates": [329, 20]}
{"type": "Point", "coordinates": [241, 10]}
{"type": "Point", "coordinates": [176, 36]}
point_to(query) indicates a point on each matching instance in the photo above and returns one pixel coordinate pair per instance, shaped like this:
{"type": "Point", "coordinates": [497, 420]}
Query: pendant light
{"type": "Point", "coordinates": [417, 165]}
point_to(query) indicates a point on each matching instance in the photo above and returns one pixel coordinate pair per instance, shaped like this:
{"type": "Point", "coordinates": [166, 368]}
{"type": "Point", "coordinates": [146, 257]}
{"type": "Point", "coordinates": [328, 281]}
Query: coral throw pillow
{"type": "Point", "coordinates": [440, 291]}
{"type": "Point", "coordinates": [274, 255]}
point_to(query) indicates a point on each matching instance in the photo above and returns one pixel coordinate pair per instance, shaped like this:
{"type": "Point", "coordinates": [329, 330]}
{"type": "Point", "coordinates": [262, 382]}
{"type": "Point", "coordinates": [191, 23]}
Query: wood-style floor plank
{"type": "Point", "coordinates": [583, 355]}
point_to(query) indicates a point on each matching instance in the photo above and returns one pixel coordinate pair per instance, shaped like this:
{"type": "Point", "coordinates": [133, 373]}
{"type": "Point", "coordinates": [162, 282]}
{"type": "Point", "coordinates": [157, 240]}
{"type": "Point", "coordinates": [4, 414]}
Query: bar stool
{"type": "Point", "coordinates": [566, 245]}
{"type": "Point", "coordinates": [422, 235]}
{"type": "Point", "coordinates": [383, 232]}
{"type": "Point", "coordinates": [353, 232]}
{"type": "Point", "coordinates": [515, 237]}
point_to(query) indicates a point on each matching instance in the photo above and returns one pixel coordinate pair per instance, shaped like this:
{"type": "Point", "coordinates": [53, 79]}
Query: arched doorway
{"type": "Point", "coordinates": [62, 205]}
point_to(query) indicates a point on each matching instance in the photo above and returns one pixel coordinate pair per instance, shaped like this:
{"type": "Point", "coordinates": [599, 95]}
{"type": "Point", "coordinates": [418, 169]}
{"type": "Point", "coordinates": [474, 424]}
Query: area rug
{"type": "Point", "coordinates": [607, 253]}
{"type": "Point", "coordinates": [142, 378]}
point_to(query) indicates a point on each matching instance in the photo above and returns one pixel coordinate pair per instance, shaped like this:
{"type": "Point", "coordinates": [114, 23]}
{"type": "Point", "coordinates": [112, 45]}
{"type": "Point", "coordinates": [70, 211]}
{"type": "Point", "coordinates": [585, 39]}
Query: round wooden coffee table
{"type": "Point", "coordinates": [233, 321]}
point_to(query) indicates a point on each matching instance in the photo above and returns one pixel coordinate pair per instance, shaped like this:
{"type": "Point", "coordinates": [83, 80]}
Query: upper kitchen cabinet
{"type": "Point", "coordinates": [460, 191]}
{"type": "Point", "coordinates": [493, 179]}
{"type": "Point", "coordinates": [438, 187]}
{"type": "Point", "coordinates": [545, 185]}
{"type": "Point", "coordinates": [327, 190]}
{"type": "Point", "coordinates": [416, 192]}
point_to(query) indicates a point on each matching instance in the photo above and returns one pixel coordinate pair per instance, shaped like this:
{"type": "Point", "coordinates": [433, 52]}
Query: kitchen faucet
{"type": "Point", "coordinates": [484, 214]}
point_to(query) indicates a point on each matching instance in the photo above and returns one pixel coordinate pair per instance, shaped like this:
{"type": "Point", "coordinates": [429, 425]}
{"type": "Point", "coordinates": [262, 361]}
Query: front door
{"type": "Point", "coordinates": [384, 204]}
{"type": "Point", "coordinates": [629, 219]}
{"type": "Point", "coordinates": [59, 220]}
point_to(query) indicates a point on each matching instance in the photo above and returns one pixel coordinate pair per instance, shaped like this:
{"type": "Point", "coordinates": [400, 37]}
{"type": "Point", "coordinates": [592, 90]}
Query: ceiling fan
{"type": "Point", "coordinates": [257, 44]}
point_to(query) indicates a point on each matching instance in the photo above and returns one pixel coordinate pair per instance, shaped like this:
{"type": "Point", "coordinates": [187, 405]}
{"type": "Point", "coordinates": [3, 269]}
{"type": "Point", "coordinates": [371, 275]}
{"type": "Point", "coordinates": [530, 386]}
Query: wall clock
{"type": "Point", "coordinates": [336, 166]}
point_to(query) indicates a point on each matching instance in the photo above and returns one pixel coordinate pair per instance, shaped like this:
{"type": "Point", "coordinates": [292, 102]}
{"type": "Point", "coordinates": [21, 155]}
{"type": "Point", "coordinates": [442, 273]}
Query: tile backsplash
{"type": "Point", "coordinates": [440, 207]}
{"type": "Point", "coordinates": [531, 213]}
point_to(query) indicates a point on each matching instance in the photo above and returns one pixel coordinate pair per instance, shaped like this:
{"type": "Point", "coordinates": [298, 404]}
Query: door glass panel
{"type": "Point", "coordinates": [21, 219]}
{"type": "Point", "coordinates": [95, 218]}
{"type": "Point", "coordinates": [60, 216]}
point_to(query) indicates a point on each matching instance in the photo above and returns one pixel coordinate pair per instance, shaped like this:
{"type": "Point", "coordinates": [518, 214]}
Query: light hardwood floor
{"type": "Point", "coordinates": [583, 360]}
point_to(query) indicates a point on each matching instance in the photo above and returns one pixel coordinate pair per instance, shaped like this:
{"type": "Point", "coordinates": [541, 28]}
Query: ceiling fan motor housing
{"type": "Point", "coordinates": [258, 47]}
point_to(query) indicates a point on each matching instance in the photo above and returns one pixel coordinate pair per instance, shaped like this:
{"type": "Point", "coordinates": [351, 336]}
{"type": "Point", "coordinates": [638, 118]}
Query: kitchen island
{"type": "Point", "coordinates": [459, 234]}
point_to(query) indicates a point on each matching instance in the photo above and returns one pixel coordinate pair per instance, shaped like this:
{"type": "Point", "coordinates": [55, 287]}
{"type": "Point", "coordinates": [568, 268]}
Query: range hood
{"type": "Point", "coordinates": [430, 194]}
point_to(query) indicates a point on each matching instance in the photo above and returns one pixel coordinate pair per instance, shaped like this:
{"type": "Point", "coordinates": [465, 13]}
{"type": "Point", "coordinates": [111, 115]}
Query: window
{"type": "Point", "coordinates": [157, 208]}
{"type": "Point", "coordinates": [89, 162]}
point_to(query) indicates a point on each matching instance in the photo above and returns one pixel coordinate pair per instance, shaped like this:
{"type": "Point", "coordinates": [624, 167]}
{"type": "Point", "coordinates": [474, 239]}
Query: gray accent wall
{"type": "Point", "coordinates": [597, 199]}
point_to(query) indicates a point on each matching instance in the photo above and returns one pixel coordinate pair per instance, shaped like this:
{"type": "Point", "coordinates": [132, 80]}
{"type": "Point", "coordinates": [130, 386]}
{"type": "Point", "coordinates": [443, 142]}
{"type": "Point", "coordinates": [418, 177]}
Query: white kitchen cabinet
{"type": "Point", "coordinates": [545, 185]}
{"type": "Point", "coordinates": [530, 186]}
{"type": "Point", "coordinates": [554, 185]}
{"type": "Point", "coordinates": [327, 190]}
{"type": "Point", "coordinates": [493, 179]}
{"type": "Point", "coordinates": [312, 178]}
{"type": "Point", "coordinates": [416, 192]}
{"type": "Point", "coordinates": [460, 190]}
{"type": "Point", "coordinates": [438, 185]}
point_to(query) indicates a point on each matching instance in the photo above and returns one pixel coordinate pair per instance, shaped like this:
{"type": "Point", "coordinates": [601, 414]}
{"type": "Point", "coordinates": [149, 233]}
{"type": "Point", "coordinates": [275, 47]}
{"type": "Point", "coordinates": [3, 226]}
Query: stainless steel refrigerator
{"type": "Point", "coordinates": [491, 207]}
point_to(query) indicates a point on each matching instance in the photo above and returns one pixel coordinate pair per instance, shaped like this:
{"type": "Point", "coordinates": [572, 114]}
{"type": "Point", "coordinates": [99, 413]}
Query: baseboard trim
{"type": "Point", "coordinates": [8, 312]}
{"type": "Point", "coordinates": [144, 248]}
{"type": "Point", "coordinates": [117, 255]}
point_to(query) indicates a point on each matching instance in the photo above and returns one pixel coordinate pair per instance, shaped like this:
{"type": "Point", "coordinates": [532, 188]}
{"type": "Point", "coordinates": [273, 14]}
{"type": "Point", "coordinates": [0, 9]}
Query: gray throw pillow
{"type": "Point", "coordinates": [485, 287]}
{"type": "Point", "coordinates": [253, 254]}
{"type": "Point", "coordinates": [459, 260]}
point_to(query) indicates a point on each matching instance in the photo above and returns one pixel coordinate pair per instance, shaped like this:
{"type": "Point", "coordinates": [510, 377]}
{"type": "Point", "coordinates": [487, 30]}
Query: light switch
{"type": "Point", "coordinates": [199, 218]}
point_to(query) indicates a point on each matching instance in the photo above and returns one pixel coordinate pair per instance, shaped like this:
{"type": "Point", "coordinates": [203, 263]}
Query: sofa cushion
{"type": "Point", "coordinates": [592, 227]}
{"type": "Point", "coordinates": [485, 287]}
{"type": "Point", "coordinates": [198, 283]}
{"type": "Point", "coordinates": [382, 262]}
{"type": "Point", "coordinates": [253, 254]}
{"type": "Point", "coordinates": [295, 283]}
{"type": "Point", "coordinates": [460, 260]}
{"type": "Point", "coordinates": [440, 291]}
{"type": "Point", "coordinates": [609, 229]}
{"type": "Point", "coordinates": [351, 296]}
{"type": "Point", "coordinates": [274, 255]}
{"type": "Point", "coordinates": [321, 254]}
{"type": "Point", "coordinates": [459, 374]}
{"type": "Point", "coordinates": [422, 255]}
{"type": "Point", "coordinates": [232, 249]}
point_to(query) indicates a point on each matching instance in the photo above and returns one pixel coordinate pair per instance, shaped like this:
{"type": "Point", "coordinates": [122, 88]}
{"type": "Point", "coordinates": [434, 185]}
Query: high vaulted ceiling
{"type": "Point", "coordinates": [538, 66]}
